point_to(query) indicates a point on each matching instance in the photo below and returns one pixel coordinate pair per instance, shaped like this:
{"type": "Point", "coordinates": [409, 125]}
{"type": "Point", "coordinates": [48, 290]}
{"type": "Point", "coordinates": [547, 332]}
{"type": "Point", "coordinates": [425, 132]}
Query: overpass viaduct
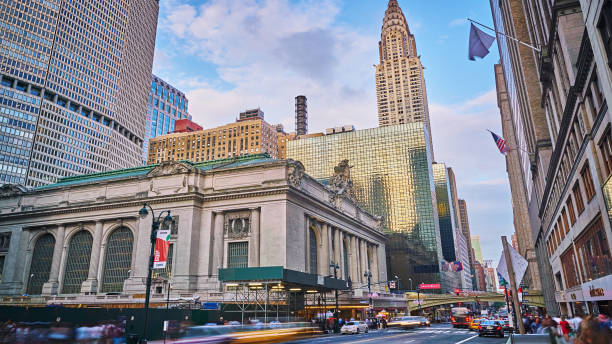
{"type": "Point", "coordinates": [534, 298]}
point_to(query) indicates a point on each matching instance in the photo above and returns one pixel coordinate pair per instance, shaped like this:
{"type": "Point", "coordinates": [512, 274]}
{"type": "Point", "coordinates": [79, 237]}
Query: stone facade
{"type": "Point", "coordinates": [558, 115]}
{"type": "Point", "coordinates": [271, 206]}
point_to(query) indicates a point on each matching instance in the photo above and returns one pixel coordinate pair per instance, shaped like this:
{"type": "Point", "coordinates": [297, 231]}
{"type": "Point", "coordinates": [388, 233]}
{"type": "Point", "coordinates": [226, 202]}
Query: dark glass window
{"type": "Point", "coordinates": [40, 268]}
{"type": "Point", "coordinates": [578, 197]}
{"type": "Point", "coordinates": [587, 180]}
{"type": "Point", "coordinates": [117, 260]}
{"type": "Point", "coordinates": [605, 30]}
{"type": "Point", "coordinates": [77, 262]}
{"type": "Point", "coordinates": [313, 251]}
{"type": "Point", "coordinates": [238, 254]}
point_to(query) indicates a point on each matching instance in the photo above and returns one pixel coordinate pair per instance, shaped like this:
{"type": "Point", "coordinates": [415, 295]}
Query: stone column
{"type": "Point", "coordinates": [364, 260]}
{"type": "Point", "coordinates": [218, 243]}
{"type": "Point", "coordinates": [374, 262]}
{"type": "Point", "coordinates": [341, 252]}
{"type": "Point", "coordinates": [90, 285]}
{"type": "Point", "coordinates": [323, 248]}
{"type": "Point", "coordinates": [52, 286]}
{"type": "Point", "coordinates": [354, 261]}
{"type": "Point", "coordinates": [254, 241]}
{"type": "Point", "coordinates": [307, 244]}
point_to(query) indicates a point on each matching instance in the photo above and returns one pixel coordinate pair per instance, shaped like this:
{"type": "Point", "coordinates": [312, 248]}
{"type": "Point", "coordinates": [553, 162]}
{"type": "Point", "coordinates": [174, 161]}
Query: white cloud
{"type": "Point", "coordinates": [269, 52]}
{"type": "Point", "coordinates": [457, 22]}
{"type": "Point", "coordinates": [462, 142]}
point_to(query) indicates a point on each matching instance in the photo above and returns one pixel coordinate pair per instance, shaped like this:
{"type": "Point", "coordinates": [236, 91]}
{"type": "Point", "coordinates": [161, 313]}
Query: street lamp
{"type": "Point", "coordinates": [143, 213]}
{"type": "Point", "coordinates": [335, 267]}
{"type": "Point", "coordinates": [368, 275]}
{"type": "Point", "coordinates": [410, 279]}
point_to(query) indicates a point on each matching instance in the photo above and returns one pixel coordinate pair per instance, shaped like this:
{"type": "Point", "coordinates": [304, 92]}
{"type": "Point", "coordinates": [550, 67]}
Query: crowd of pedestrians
{"type": "Point", "coordinates": [590, 329]}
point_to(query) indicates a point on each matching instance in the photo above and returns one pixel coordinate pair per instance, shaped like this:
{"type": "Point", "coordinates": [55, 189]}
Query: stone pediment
{"type": "Point", "coordinates": [168, 168]}
{"type": "Point", "coordinates": [7, 190]}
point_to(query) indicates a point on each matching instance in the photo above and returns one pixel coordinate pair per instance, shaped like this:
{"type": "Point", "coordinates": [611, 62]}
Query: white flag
{"type": "Point", "coordinates": [518, 263]}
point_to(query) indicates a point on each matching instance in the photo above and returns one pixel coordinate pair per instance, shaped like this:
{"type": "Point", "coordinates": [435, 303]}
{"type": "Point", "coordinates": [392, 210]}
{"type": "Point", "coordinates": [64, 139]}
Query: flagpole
{"type": "Point", "coordinates": [516, 305]}
{"type": "Point", "coordinates": [503, 34]}
{"type": "Point", "coordinates": [524, 150]}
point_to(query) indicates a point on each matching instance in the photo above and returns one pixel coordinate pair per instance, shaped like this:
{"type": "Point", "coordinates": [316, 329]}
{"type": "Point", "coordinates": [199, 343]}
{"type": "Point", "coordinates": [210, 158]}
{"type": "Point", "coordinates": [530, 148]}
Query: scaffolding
{"type": "Point", "coordinates": [276, 294]}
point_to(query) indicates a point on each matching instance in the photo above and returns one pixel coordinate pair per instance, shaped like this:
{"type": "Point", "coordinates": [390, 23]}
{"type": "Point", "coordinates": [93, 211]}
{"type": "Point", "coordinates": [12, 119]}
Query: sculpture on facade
{"type": "Point", "coordinates": [295, 172]}
{"type": "Point", "coordinates": [167, 168]}
{"type": "Point", "coordinates": [340, 182]}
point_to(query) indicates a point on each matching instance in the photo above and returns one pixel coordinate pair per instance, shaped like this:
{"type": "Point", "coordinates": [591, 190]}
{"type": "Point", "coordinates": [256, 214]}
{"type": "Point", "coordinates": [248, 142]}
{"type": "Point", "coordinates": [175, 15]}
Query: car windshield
{"type": "Point", "coordinates": [490, 323]}
{"type": "Point", "coordinates": [352, 323]}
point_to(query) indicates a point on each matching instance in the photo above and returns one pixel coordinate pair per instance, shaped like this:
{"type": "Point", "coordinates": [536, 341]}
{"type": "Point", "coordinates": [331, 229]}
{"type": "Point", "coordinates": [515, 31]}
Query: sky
{"type": "Point", "coordinates": [228, 56]}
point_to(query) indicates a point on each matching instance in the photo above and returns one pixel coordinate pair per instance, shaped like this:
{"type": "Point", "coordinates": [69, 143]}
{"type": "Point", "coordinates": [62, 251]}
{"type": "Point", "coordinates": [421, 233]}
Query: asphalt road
{"type": "Point", "coordinates": [436, 334]}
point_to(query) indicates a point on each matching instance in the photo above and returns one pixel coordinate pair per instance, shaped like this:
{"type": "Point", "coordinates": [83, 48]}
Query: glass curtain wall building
{"type": "Point", "coordinates": [391, 170]}
{"type": "Point", "coordinates": [74, 77]}
{"type": "Point", "coordinates": [166, 105]}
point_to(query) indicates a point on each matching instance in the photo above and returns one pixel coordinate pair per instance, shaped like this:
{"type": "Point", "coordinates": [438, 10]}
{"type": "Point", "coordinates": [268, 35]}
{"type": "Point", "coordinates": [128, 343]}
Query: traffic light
{"type": "Point", "coordinates": [457, 291]}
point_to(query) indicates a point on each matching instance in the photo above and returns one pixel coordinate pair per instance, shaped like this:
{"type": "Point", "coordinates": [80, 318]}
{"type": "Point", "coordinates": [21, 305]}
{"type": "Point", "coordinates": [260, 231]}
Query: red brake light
{"type": "Point", "coordinates": [499, 327]}
{"type": "Point", "coordinates": [479, 327]}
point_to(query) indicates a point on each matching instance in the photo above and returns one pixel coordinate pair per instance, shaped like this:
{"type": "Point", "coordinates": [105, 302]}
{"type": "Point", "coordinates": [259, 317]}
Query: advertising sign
{"type": "Point", "coordinates": [162, 243]}
{"type": "Point", "coordinates": [429, 286]}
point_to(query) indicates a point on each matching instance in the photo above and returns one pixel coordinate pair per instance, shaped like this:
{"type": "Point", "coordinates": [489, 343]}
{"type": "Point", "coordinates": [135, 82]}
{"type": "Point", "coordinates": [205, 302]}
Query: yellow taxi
{"type": "Point", "coordinates": [474, 324]}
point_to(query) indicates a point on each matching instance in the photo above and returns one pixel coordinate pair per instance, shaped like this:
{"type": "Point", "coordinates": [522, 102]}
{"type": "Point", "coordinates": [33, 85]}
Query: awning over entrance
{"type": "Point", "coordinates": [281, 276]}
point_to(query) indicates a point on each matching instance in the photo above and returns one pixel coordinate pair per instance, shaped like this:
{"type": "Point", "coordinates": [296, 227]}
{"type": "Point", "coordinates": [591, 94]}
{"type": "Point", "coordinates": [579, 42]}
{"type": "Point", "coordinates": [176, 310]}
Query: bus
{"type": "Point", "coordinates": [461, 317]}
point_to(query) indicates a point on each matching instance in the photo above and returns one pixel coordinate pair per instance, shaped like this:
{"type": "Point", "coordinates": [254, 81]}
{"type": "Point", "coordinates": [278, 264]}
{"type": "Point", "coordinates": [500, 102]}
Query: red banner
{"type": "Point", "coordinates": [429, 286]}
{"type": "Point", "coordinates": [162, 243]}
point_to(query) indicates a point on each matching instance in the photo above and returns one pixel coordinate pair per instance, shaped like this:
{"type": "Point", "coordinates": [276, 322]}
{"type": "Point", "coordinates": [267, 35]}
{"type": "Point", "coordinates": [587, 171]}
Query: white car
{"type": "Point", "coordinates": [354, 327]}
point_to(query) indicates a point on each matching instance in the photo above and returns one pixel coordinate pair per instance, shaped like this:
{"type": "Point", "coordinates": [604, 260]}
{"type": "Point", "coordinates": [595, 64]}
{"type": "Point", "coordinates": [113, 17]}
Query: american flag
{"type": "Point", "coordinates": [501, 143]}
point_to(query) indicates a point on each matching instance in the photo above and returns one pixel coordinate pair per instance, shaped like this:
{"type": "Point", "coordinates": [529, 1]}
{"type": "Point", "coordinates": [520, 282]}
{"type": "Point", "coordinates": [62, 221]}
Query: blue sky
{"type": "Point", "coordinates": [229, 55]}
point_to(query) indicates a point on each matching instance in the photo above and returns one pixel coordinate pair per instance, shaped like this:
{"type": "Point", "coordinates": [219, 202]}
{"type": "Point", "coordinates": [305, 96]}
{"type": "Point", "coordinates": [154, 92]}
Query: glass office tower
{"type": "Point", "coordinates": [391, 169]}
{"type": "Point", "coordinates": [74, 77]}
{"type": "Point", "coordinates": [166, 105]}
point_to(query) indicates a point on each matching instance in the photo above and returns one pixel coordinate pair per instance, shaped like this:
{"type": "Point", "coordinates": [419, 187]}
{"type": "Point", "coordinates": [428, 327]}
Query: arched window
{"type": "Point", "coordinates": [346, 262]}
{"type": "Point", "coordinates": [77, 262]}
{"type": "Point", "coordinates": [40, 267]}
{"type": "Point", "coordinates": [313, 251]}
{"type": "Point", "coordinates": [117, 260]}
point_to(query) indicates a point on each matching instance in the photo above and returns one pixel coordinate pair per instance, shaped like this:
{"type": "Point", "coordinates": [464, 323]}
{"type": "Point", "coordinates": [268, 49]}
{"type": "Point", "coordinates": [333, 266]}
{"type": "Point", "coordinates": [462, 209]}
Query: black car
{"type": "Point", "coordinates": [491, 327]}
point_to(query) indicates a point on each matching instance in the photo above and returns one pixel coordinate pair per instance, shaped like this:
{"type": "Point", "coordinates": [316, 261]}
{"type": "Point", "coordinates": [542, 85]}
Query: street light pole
{"type": "Point", "coordinates": [368, 275]}
{"type": "Point", "coordinates": [335, 267]}
{"type": "Point", "coordinates": [410, 280]}
{"type": "Point", "coordinates": [154, 227]}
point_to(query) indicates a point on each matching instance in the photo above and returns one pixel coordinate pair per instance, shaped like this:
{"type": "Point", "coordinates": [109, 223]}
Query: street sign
{"type": "Point", "coordinates": [429, 286]}
{"type": "Point", "coordinates": [392, 284]}
{"type": "Point", "coordinates": [210, 305]}
{"type": "Point", "coordinates": [525, 301]}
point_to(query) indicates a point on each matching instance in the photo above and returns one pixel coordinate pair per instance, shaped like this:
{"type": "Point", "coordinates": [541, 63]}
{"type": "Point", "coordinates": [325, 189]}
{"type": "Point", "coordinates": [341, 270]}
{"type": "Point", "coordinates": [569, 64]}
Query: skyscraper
{"type": "Point", "coordinates": [400, 84]}
{"type": "Point", "coordinates": [392, 174]}
{"type": "Point", "coordinates": [477, 248]}
{"type": "Point", "coordinates": [166, 105]}
{"type": "Point", "coordinates": [73, 81]}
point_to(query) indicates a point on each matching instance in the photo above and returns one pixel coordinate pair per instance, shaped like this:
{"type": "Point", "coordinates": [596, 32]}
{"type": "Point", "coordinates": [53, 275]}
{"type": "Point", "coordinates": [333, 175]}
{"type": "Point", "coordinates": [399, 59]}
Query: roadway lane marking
{"type": "Point", "coordinates": [465, 340]}
{"type": "Point", "coordinates": [379, 338]}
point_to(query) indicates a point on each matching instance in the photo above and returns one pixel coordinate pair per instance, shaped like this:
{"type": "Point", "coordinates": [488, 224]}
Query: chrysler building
{"type": "Point", "coordinates": [400, 84]}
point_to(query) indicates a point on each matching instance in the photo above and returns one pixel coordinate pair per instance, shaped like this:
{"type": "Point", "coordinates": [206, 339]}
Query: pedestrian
{"type": "Point", "coordinates": [591, 332]}
{"type": "Point", "coordinates": [535, 325]}
{"type": "Point", "coordinates": [565, 327]}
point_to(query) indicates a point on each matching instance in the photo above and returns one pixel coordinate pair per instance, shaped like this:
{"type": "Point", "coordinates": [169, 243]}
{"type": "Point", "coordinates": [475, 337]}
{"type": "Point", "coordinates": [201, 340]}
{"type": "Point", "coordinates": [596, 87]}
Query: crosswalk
{"type": "Point", "coordinates": [437, 331]}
